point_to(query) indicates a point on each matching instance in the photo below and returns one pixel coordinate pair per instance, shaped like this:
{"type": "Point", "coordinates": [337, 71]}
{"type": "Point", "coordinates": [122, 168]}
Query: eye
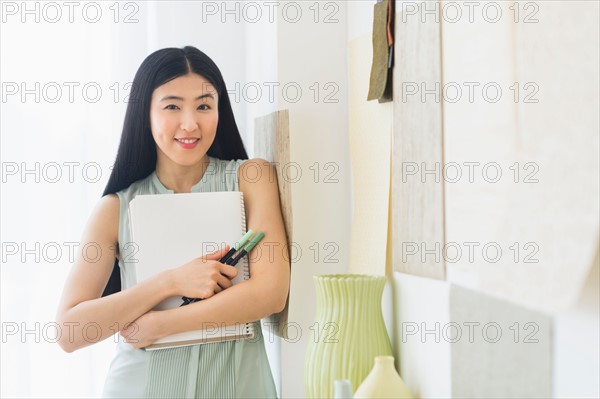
{"type": "Point", "coordinates": [204, 107]}
{"type": "Point", "coordinates": [171, 106]}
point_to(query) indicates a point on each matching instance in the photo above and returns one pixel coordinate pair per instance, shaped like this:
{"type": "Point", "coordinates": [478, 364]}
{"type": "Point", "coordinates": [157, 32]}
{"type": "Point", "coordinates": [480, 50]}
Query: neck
{"type": "Point", "coordinates": [181, 178]}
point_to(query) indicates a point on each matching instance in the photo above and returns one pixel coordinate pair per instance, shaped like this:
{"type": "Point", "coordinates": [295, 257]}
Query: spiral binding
{"type": "Point", "coordinates": [245, 264]}
{"type": "Point", "coordinates": [243, 208]}
{"type": "Point", "coordinates": [249, 330]}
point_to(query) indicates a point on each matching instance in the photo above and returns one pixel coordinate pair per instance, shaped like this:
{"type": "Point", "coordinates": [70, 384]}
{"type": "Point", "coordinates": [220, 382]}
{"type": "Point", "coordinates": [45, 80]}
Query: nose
{"type": "Point", "coordinates": [188, 122]}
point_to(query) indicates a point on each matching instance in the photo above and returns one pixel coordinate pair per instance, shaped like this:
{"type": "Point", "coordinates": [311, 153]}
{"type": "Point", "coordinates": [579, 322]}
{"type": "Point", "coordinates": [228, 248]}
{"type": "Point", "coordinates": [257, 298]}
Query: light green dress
{"type": "Point", "coordinates": [231, 369]}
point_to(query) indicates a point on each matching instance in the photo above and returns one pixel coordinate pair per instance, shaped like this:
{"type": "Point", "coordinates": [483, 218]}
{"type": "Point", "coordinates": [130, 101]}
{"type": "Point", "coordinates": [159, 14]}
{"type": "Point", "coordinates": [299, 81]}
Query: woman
{"type": "Point", "coordinates": [179, 136]}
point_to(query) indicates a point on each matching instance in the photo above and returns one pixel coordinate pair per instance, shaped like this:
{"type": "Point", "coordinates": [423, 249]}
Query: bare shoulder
{"type": "Point", "coordinates": [258, 182]}
{"type": "Point", "coordinates": [109, 206]}
{"type": "Point", "coordinates": [257, 174]}
{"type": "Point", "coordinates": [104, 220]}
{"type": "Point", "coordinates": [109, 202]}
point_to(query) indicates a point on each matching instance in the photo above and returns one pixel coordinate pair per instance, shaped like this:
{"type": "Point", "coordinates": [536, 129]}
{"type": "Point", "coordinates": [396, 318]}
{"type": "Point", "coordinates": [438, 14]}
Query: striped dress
{"type": "Point", "coordinates": [232, 369]}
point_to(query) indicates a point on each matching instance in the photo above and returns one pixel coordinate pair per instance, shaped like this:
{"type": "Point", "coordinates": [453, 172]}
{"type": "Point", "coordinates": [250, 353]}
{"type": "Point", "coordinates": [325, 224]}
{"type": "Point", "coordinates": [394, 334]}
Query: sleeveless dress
{"type": "Point", "coordinates": [230, 369]}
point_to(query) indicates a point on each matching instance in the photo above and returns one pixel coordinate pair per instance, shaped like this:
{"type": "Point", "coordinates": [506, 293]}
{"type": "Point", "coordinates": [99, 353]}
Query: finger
{"type": "Point", "coordinates": [224, 282]}
{"type": "Point", "coordinates": [208, 294]}
{"type": "Point", "coordinates": [217, 254]}
{"type": "Point", "coordinates": [229, 271]}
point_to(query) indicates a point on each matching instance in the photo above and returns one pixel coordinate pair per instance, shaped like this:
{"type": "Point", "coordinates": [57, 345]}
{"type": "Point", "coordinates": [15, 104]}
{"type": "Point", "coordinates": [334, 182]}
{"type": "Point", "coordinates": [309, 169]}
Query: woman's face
{"type": "Point", "coordinates": [183, 119]}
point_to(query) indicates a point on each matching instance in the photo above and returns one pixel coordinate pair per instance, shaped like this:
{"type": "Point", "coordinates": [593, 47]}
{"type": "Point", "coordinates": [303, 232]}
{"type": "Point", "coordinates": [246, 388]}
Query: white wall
{"type": "Point", "coordinates": [424, 360]}
{"type": "Point", "coordinates": [577, 344]}
{"type": "Point", "coordinates": [312, 52]}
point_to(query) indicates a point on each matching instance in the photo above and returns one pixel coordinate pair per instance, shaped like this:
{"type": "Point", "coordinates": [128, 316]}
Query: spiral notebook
{"type": "Point", "coordinates": [169, 230]}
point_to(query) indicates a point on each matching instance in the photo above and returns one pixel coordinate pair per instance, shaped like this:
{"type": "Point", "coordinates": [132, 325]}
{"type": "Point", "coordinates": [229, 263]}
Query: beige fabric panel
{"type": "Point", "coordinates": [539, 216]}
{"type": "Point", "coordinates": [417, 196]}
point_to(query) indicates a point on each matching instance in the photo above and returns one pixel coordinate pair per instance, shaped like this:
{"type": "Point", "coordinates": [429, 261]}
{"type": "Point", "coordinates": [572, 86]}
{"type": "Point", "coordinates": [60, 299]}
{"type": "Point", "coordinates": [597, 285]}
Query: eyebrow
{"type": "Point", "coordinates": [181, 98]}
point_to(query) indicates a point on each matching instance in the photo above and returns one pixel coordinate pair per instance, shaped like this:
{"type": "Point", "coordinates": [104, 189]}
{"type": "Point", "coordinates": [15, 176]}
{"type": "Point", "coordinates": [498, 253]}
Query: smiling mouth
{"type": "Point", "coordinates": [187, 140]}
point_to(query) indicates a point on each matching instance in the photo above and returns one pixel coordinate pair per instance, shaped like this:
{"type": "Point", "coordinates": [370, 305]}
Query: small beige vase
{"type": "Point", "coordinates": [383, 382]}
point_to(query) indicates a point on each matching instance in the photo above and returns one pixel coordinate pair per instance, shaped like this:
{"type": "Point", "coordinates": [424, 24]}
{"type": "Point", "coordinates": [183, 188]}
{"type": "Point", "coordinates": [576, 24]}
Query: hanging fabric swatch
{"type": "Point", "coordinates": [380, 85]}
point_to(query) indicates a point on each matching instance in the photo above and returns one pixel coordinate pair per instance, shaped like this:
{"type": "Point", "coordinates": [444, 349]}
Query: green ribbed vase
{"type": "Point", "coordinates": [349, 332]}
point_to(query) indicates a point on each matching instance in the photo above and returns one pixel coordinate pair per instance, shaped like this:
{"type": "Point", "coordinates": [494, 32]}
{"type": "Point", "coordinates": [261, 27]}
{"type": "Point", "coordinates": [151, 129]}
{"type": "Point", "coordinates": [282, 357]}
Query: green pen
{"type": "Point", "coordinates": [236, 246]}
{"type": "Point", "coordinates": [234, 260]}
{"type": "Point", "coordinates": [224, 259]}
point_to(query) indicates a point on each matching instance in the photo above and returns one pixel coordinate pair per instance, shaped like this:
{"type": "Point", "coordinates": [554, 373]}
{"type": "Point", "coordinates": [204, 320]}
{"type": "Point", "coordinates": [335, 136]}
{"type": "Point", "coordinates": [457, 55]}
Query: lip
{"type": "Point", "coordinates": [186, 145]}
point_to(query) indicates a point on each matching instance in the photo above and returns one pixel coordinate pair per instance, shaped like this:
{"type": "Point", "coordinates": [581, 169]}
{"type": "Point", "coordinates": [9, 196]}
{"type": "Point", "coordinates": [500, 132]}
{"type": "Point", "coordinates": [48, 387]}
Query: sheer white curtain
{"type": "Point", "coordinates": [65, 72]}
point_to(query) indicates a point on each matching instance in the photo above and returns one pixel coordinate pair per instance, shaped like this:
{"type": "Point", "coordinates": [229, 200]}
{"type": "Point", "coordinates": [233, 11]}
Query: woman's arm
{"type": "Point", "coordinates": [263, 294]}
{"type": "Point", "coordinates": [81, 304]}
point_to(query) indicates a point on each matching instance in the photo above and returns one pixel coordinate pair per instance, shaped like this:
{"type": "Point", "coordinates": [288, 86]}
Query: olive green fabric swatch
{"type": "Point", "coordinates": [379, 81]}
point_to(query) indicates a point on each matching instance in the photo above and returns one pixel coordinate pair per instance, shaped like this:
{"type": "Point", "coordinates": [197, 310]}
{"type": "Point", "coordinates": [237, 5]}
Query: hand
{"type": "Point", "coordinates": [144, 330]}
{"type": "Point", "coordinates": [203, 277]}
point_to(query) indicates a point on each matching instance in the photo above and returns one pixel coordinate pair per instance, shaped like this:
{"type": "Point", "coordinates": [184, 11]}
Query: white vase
{"type": "Point", "coordinates": [383, 381]}
{"type": "Point", "coordinates": [342, 389]}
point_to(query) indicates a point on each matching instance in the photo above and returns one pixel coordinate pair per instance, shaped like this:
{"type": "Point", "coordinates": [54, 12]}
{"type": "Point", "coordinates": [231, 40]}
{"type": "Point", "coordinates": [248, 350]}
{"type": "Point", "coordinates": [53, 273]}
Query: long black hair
{"type": "Point", "coordinates": [136, 156]}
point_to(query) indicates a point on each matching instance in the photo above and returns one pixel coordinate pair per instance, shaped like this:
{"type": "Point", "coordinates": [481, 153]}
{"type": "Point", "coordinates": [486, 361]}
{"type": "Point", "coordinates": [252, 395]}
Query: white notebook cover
{"type": "Point", "coordinates": [169, 230]}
